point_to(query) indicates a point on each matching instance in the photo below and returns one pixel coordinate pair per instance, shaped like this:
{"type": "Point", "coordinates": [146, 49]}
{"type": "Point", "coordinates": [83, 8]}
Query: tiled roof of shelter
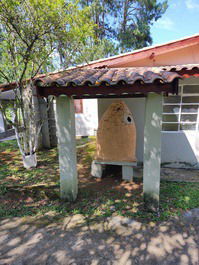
{"type": "Point", "coordinates": [107, 76]}
{"type": "Point", "coordinates": [110, 75]}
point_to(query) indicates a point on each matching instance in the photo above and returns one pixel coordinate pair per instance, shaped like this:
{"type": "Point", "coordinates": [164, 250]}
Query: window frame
{"type": "Point", "coordinates": [180, 113]}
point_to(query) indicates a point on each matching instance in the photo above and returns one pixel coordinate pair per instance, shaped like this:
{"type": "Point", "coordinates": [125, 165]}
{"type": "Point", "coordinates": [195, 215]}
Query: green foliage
{"type": "Point", "coordinates": [182, 196]}
{"type": "Point", "coordinates": [7, 107]}
{"type": "Point", "coordinates": [32, 30]}
{"type": "Point", "coordinates": [125, 22]}
{"type": "Point", "coordinates": [31, 33]}
{"type": "Point", "coordinates": [93, 50]}
{"type": "Point", "coordinates": [137, 18]}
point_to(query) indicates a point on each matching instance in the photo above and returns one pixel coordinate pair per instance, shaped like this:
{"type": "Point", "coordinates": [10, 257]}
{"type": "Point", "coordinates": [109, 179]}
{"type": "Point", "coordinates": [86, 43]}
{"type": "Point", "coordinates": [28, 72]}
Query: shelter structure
{"type": "Point", "coordinates": [151, 83]}
{"type": "Point", "coordinates": [151, 74]}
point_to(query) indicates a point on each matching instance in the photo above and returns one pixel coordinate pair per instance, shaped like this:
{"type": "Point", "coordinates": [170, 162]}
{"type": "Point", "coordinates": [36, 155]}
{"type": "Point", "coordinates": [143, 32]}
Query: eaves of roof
{"type": "Point", "coordinates": [108, 76]}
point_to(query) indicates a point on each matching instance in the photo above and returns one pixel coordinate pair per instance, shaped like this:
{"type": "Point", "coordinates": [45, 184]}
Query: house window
{"type": "Point", "coordinates": [78, 105]}
{"type": "Point", "coordinates": [181, 113]}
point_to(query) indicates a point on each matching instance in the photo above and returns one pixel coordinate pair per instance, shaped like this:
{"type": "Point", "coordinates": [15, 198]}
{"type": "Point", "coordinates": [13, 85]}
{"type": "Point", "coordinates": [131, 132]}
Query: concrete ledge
{"type": "Point", "coordinates": [117, 163]}
{"type": "Point", "coordinates": [97, 168]}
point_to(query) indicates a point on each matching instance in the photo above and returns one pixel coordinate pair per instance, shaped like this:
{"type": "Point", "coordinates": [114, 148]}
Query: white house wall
{"type": "Point", "coordinates": [87, 122]}
{"type": "Point", "coordinates": [180, 149]}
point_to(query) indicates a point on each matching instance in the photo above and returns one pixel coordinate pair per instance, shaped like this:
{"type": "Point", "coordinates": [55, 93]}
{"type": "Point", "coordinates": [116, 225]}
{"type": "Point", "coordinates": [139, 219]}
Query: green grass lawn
{"type": "Point", "coordinates": [35, 192]}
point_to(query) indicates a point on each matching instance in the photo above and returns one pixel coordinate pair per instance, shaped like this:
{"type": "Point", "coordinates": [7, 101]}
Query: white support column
{"type": "Point", "coordinates": [36, 110]}
{"type": "Point", "coordinates": [2, 125]}
{"type": "Point", "coordinates": [127, 173]}
{"type": "Point", "coordinates": [44, 118]}
{"type": "Point", "coordinates": [152, 150]}
{"type": "Point", "coordinates": [65, 121]}
{"type": "Point", "coordinates": [96, 170]}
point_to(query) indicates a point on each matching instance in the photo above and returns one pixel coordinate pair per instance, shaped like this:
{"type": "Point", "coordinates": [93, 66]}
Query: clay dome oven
{"type": "Point", "coordinates": [116, 134]}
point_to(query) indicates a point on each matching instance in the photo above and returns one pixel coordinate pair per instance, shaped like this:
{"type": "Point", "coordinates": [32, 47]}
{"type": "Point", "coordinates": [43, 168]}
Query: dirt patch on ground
{"type": "Point", "coordinates": [92, 230]}
{"type": "Point", "coordinates": [115, 240]}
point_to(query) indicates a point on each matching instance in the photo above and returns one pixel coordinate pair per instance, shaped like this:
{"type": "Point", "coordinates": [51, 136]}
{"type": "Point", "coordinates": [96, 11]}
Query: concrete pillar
{"type": "Point", "coordinates": [52, 124]}
{"type": "Point", "coordinates": [65, 123]}
{"type": "Point", "coordinates": [152, 150]}
{"type": "Point", "coordinates": [2, 124]}
{"type": "Point", "coordinates": [127, 173]}
{"type": "Point", "coordinates": [97, 170]}
{"type": "Point", "coordinates": [45, 126]}
{"type": "Point", "coordinates": [37, 114]}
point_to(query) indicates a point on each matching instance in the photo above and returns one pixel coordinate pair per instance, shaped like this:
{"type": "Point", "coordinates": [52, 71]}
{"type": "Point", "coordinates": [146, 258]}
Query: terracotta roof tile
{"type": "Point", "coordinates": [112, 76]}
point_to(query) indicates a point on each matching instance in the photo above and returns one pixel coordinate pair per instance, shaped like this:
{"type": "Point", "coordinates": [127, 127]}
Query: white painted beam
{"type": "Point", "coordinates": [65, 121]}
{"type": "Point", "coordinates": [152, 150]}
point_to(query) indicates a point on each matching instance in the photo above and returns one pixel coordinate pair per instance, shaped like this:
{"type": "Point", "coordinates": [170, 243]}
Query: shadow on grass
{"type": "Point", "coordinates": [36, 192]}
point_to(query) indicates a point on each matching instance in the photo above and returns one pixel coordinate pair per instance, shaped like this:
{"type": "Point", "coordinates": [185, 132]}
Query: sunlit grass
{"type": "Point", "coordinates": [36, 192]}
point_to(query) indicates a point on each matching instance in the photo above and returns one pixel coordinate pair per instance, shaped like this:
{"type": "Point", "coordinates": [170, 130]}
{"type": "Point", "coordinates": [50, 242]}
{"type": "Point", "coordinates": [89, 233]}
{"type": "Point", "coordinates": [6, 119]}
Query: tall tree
{"type": "Point", "coordinates": [136, 20]}
{"type": "Point", "coordinates": [125, 23]}
{"type": "Point", "coordinates": [98, 45]}
{"type": "Point", "coordinates": [101, 13]}
{"type": "Point", "coordinates": [31, 31]}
